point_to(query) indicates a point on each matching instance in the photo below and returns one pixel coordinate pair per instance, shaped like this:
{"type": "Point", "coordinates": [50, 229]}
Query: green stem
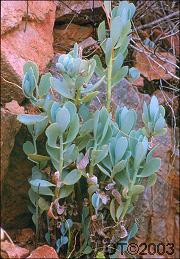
{"type": "Point", "coordinates": [78, 95]}
{"type": "Point", "coordinates": [128, 201]}
{"type": "Point", "coordinates": [108, 89]}
{"type": "Point", "coordinates": [60, 164]}
{"type": "Point", "coordinates": [35, 145]}
{"type": "Point", "coordinates": [91, 167]}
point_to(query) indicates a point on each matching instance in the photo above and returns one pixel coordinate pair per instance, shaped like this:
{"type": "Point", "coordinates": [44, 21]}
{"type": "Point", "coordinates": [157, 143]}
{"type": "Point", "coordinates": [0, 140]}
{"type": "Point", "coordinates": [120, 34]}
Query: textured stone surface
{"type": "Point", "coordinates": [150, 69]}
{"type": "Point", "coordinates": [14, 200]}
{"type": "Point", "coordinates": [44, 251]}
{"type": "Point", "coordinates": [9, 250]}
{"type": "Point", "coordinates": [80, 11]}
{"type": "Point", "coordinates": [22, 41]}
{"type": "Point", "coordinates": [9, 128]}
{"type": "Point", "coordinates": [66, 35]}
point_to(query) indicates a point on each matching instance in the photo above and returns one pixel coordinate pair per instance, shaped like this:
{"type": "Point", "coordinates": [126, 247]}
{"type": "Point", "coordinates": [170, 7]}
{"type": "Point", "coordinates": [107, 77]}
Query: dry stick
{"type": "Point", "coordinates": [158, 21]}
{"type": "Point", "coordinates": [152, 53]}
{"type": "Point", "coordinates": [11, 83]}
{"type": "Point", "coordinates": [150, 57]}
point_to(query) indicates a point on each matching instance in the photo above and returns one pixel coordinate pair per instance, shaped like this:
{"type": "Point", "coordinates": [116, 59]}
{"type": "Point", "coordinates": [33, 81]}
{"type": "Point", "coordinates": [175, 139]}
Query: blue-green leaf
{"type": "Point", "coordinates": [29, 119]}
{"type": "Point", "coordinates": [40, 183]}
{"type": "Point", "coordinates": [45, 84]}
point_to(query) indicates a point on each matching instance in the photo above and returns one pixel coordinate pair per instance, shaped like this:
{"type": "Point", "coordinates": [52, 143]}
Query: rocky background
{"type": "Point", "coordinates": [40, 31]}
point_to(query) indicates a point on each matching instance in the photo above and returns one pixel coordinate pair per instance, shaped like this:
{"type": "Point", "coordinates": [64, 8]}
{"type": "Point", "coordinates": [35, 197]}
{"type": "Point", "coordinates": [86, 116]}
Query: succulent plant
{"type": "Point", "coordinates": [91, 158]}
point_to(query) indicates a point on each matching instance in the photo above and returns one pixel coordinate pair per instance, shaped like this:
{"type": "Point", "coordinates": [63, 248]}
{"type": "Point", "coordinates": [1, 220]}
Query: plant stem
{"type": "Point", "coordinates": [108, 89]}
{"type": "Point", "coordinates": [78, 95]}
{"type": "Point", "coordinates": [60, 165]}
{"type": "Point", "coordinates": [128, 201]}
{"type": "Point", "coordinates": [35, 145]}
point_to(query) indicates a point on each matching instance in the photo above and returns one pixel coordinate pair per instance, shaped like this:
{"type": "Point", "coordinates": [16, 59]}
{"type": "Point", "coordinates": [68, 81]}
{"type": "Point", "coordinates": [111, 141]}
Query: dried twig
{"type": "Point", "coordinates": [148, 25]}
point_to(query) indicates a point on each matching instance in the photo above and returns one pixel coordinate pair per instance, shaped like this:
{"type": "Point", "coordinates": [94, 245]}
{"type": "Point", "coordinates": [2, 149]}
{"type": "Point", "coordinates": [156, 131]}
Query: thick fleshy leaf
{"type": "Point", "coordinates": [30, 64]}
{"type": "Point", "coordinates": [43, 204]}
{"type": "Point", "coordinates": [73, 129]}
{"type": "Point", "coordinates": [62, 119]}
{"type": "Point", "coordinates": [129, 121]}
{"type": "Point", "coordinates": [93, 87]}
{"type": "Point", "coordinates": [137, 189]}
{"type": "Point", "coordinates": [154, 107]}
{"type": "Point", "coordinates": [133, 231]}
{"type": "Point", "coordinates": [145, 115]}
{"type": "Point", "coordinates": [52, 133]}
{"type": "Point", "coordinates": [29, 119]}
{"type": "Point", "coordinates": [123, 71]}
{"type": "Point", "coordinates": [134, 73]}
{"type": "Point", "coordinates": [40, 183]}
{"type": "Point", "coordinates": [101, 31]}
{"type": "Point", "coordinates": [113, 210]}
{"type": "Point", "coordinates": [65, 191]}
{"type": "Point", "coordinates": [38, 158]}
{"type": "Point", "coordinates": [40, 126]}
{"type": "Point", "coordinates": [99, 155]}
{"type": "Point", "coordinates": [62, 88]}
{"type": "Point", "coordinates": [72, 177]}
{"type": "Point", "coordinates": [120, 148]}
{"type": "Point", "coordinates": [42, 190]}
{"type": "Point", "coordinates": [28, 148]}
{"type": "Point", "coordinates": [160, 124]}
{"type": "Point", "coordinates": [152, 180]}
{"type": "Point", "coordinates": [151, 167]}
{"type": "Point", "coordinates": [117, 64]}
{"type": "Point", "coordinates": [103, 170]}
{"type": "Point", "coordinates": [44, 84]}
{"type": "Point", "coordinates": [96, 202]}
{"type": "Point", "coordinates": [89, 97]}
{"type": "Point", "coordinates": [108, 54]}
{"type": "Point", "coordinates": [118, 167]}
{"type": "Point", "coordinates": [116, 28]}
{"type": "Point", "coordinates": [99, 67]}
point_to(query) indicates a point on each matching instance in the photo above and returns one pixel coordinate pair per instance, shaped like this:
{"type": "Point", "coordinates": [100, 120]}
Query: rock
{"type": "Point", "coordinates": [150, 69]}
{"type": "Point", "coordinates": [123, 94]}
{"type": "Point", "coordinates": [139, 82]}
{"type": "Point", "coordinates": [80, 12]}
{"type": "Point", "coordinates": [9, 128]}
{"type": "Point", "coordinates": [25, 235]}
{"type": "Point", "coordinates": [66, 35]}
{"type": "Point", "coordinates": [44, 251]}
{"type": "Point", "coordinates": [88, 46]}
{"type": "Point", "coordinates": [22, 41]}
{"type": "Point", "coordinates": [9, 250]}
{"type": "Point", "coordinates": [157, 211]}
{"type": "Point", "coordinates": [14, 107]}
{"type": "Point", "coordinates": [14, 200]}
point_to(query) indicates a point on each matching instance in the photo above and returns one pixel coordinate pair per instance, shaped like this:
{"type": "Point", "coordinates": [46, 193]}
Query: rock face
{"type": "Point", "coordinates": [44, 251]}
{"type": "Point", "coordinates": [80, 11]}
{"type": "Point", "coordinates": [9, 250]}
{"type": "Point", "coordinates": [152, 69]}
{"type": "Point", "coordinates": [66, 35]}
{"type": "Point", "coordinates": [24, 37]}
{"type": "Point", "coordinates": [14, 200]}
{"type": "Point", "coordinates": [9, 128]}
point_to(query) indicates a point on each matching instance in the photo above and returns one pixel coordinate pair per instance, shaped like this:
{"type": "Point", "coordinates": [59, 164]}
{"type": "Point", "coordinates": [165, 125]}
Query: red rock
{"type": "Point", "coordinates": [25, 235]}
{"type": "Point", "coordinates": [19, 45]}
{"type": "Point", "coordinates": [79, 11]}
{"type": "Point", "coordinates": [9, 128]}
{"type": "Point", "coordinates": [44, 251]}
{"type": "Point", "coordinates": [150, 69]}
{"type": "Point", "coordinates": [14, 107]}
{"type": "Point", "coordinates": [66, 35]}
{"type": "Point", "coordinates": [9, 250]}
{"type": "Point", "coordinates": [139, 82]}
